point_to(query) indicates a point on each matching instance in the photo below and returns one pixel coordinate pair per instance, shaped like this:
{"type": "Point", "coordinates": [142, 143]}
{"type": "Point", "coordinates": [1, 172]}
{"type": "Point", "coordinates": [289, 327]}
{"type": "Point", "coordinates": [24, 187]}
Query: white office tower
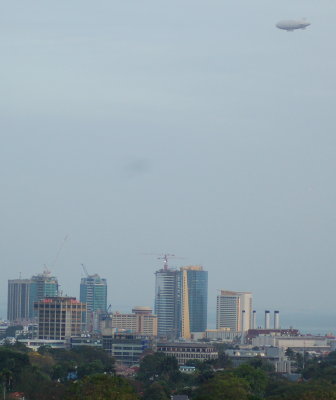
{"type": "Point", "coordinates": [276, 320]}
{"type": "Point", "coordinates": [234, 310]}
{"type": "Point", "coordinates": [267, 319]}
{"type": "Point", "coordinates": [254, 320]}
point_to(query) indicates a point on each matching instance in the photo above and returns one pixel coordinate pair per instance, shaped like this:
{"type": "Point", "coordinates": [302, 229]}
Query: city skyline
{"type": "Point", "coordinates": [321, 323]}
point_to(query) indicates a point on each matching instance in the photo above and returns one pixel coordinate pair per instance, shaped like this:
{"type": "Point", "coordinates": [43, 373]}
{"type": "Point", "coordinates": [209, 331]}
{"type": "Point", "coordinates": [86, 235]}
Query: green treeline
{"type": "Point", "coordinates": [87, 373]}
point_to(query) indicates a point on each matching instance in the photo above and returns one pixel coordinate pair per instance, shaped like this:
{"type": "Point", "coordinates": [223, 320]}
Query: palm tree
{"type": "Point", "coordinates": [6, 377]}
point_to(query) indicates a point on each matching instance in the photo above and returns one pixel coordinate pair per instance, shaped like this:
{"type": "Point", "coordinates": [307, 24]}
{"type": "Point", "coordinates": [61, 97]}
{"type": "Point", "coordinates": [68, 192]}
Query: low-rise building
{"type": "Point", "coordinates": [276, 356]}
{"type": "Point", "coordinates": [297, 343]}
{"type": "Point", "coordinates": [141, 321]}
{"type": "Point", "coordinates": [35, 344]}
{"type": "Point", "coordinates": [86, 340]}
{"type": "Point", "coordinates": [185, 352]}
{"type": "Point", "coordinates": [253, 333]}
{"type": "Point", "coordinates": [127, 349]}
{"type": "Point", "coordinates": [223, 334]}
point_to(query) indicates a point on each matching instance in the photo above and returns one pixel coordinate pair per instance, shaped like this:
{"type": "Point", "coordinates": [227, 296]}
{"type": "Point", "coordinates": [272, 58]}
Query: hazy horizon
{"type": "Point", "coordinates": [193, 128]}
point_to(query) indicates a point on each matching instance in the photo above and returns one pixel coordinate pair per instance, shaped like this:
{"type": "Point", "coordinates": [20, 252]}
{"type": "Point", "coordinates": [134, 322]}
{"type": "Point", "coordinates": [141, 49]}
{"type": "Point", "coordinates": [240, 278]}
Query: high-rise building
{"type": "Point", "coordinates": [181, 301]}
{"type": "Point", "coordinates": [44, 285]}
{"type": "Point", "coordinates": [93, 292]}
{"type": "Point", "coordinates": [234, 310]}
{"type": "Point", "coordinates": [167, 301]}
{"type": "Point", "coordinates": [194, 300]}
{"type": "Point", "coordinates": [59, 318]}
{"type": "Point", "coordinates": [20, 302]}
{"type": "Point", "coordinates": [22, 293]}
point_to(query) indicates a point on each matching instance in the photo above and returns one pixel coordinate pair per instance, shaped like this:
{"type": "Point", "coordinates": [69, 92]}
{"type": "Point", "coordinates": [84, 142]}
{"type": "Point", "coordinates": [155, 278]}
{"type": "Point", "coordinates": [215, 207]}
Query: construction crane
{"type": "Point", "coordinates": [46, 270]}
{"type": "Point", "coordinates": [164, 257]}
{"type": "Point", "coordinates": [59, 251]}
{"type": "Point", "coordinates": [85, 270]}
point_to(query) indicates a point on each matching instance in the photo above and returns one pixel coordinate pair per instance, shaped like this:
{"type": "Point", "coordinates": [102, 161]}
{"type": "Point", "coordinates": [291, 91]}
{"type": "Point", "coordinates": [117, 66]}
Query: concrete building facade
{"type": "Point", "coordinates": [126, 349]}
{"type": "Point", "coordinates": [185, 352]}
{"type": "Point", "coordinates": [20, 301]}
{"type": "Point", "coordinates": [59, 318]}
{"type": "Point", "coordinates": [234, 310]}
{"type": "Point", "coordinates": [140, 322]}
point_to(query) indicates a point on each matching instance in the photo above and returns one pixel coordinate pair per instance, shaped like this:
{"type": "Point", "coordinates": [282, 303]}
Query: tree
{"type": "Point", "coordinates": [305, 391]}
{"type": "Point", "coordinates": [256, 378]}
{"type": "Point", "coordinates": [224, 387]}
{"type": "Point", "coordinates": [156, 392]}
{"type": "Point", "coordinates": [91, 368]}
{"type": "Point", "coordinates": [159, 367]}
{"type": "Point", "coordinates": [100, 387]}
{"type": "Point", "coordinates": [44, 362]}
{"type": "Point", "coordinates": [265, 365]}
{"type": "Point", "coordinates": [223, 361]}
{"type": "Point", "coordinates": [14, 362]}
{"type": "Point", "coordinates": [34, 383]}
{"type": "Point", "coordinates": [6, 377]}
{"type": "Point", "coordinates": [290, 353]}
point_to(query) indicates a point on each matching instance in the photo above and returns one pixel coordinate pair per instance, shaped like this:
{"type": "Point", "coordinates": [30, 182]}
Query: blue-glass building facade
{"type": "Point", "coordinates": [42, 286]}
{"type": "Point", "coordinates": [181, 301]}
{"type": "Point", "coordinates": [198, 298]}
{"type": "Point", "coordinates": [23, 293]}
{"type": "Point", "coordinates": [93, 292]}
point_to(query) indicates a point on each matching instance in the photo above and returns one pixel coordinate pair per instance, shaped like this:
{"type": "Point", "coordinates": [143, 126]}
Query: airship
{"type": "Point", "coordinates": [291, 25]}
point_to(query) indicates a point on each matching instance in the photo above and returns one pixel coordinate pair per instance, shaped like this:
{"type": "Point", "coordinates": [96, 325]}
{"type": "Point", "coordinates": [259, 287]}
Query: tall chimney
{"type": "Point", "coordinates": [267, 319]}
{"type": "Point", "coordinates": [242, 327]}
{"type": "Point", "coordinates": [276, 320]}
{"type": "Point", "coordinates": [254, 319]}
{"type": "Point", "coordinates": [243, 321]}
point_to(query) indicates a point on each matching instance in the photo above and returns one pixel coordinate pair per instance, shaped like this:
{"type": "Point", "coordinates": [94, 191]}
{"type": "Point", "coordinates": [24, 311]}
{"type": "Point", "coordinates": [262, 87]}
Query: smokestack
{"type": "Point", "coordinates": [254, 319]}
{"type": "Point", "coordinates": [242, 327]}
{"type": "Point", "coordinates": [276, 320]}
{"type": "Point", "coordinates": [243, 321]}
{"type": "Point", "coordinates": [267, 319]}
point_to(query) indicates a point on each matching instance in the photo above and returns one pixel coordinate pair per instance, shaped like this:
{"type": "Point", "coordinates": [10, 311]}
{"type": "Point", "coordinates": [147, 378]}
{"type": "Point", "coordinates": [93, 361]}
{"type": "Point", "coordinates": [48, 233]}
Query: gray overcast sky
{"type": "Point", "coordinates": [190, 127]}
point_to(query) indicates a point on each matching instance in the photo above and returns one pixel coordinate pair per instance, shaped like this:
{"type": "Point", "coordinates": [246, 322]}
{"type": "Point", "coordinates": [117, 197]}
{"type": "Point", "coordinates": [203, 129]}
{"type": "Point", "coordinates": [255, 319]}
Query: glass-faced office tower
{"type": "Point", "coordinates": [167, 301]}
{"type": "Point", "coordinates": [93, 292]}
{"type": "Point", "coordinates": [194, 299]}
{"type": "Point", "coordinates": [22, 293]}
{"type": "Point", "coordinates": [181, 301]}
{"type": "Point", "coordinates": [44, 285]}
